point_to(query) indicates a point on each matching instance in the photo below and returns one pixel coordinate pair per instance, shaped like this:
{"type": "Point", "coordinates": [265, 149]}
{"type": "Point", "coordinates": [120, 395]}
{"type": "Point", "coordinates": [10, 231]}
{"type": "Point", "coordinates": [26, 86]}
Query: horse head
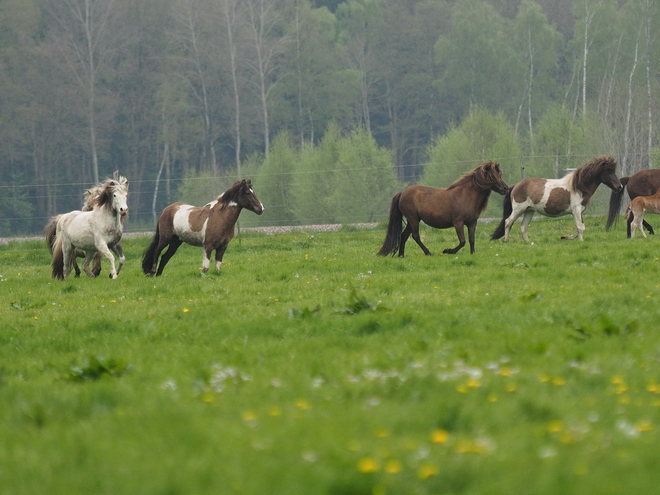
{"type": "Point", "coordinates": [247, 199]}
{"type": "Point", "coordinates": [113, 195]}
{"type": "Point", "coordinates": [601, 169]}
{"type": "Point", "coordinates": [608, 174]}
{"type": "Point", "coordinates": [492, 175]}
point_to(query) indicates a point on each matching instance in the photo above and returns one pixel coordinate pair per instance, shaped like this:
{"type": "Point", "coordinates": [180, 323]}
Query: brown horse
{"type": "Point", "coordinates": [211, 227]}
{"type": "Point", "coordinates": [557, 197]}
{"type": "Point", "coordinates": [643, 183]}
{"type": "Point", "coordinates": [457, 206]}
{"type": "Point", "coordinates": [637, 207]}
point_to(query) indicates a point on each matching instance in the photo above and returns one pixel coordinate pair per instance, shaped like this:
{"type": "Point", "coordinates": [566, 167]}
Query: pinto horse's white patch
{"type": "Point", "coordinates": [181, 224]}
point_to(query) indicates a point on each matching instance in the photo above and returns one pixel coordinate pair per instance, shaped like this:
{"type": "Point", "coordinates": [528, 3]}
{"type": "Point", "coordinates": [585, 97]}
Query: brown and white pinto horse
{"type": "Point", "coordinates": [637, 207]}
{"type": "Point", "coordinates": [210, 227]}
{"type": "Point", "coordinates": [557, 197]}
{"type": "Point", "coordinates": [643, 183]}
{"type": "Point", "coordinates": [457, 206]}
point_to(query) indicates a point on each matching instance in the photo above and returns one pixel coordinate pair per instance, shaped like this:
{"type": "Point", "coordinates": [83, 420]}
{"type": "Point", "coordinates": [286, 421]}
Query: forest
{"type": "Point", "coordinates": [330, 107]}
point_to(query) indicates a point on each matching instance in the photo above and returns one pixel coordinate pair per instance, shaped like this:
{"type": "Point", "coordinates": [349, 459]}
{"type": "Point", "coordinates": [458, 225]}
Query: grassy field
{"type": "Point", "coordinates": [311, 366]}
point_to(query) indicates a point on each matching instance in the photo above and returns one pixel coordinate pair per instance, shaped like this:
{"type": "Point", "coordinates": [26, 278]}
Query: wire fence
{"type": "Point", "coordinates": [141, 218]}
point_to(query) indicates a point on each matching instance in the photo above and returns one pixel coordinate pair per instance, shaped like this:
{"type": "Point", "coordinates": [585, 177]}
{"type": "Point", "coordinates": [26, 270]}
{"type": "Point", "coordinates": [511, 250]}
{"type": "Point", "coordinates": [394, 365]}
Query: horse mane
{"type": "Point", "coordinates": [231, 195]}
{"type": "Point", "coordinates": [590, 172]}
{"type": "Point", "coordinates": [103, 193]}
{"type": "Point", "coordinates": [479, 177]}
{"type": "Point", "coordinates": [90, 198]}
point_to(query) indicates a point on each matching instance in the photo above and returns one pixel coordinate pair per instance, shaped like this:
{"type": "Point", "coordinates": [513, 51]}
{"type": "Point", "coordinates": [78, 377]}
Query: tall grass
{"type": "Point", "coordinates": [311, 366]}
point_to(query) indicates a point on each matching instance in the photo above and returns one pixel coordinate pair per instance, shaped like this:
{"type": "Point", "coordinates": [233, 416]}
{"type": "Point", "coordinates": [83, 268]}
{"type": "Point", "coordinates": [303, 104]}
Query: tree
{"type": "Point", "coordinates": [481, 137]}
{"type": "Point", "coordinates": [87, 34]}
{"type": "Point", "coordinates": [365, 180]}
{"type": "Point", "coordinates": [265, 23]}
{"type": "Point", "coordinates": [538, 43]}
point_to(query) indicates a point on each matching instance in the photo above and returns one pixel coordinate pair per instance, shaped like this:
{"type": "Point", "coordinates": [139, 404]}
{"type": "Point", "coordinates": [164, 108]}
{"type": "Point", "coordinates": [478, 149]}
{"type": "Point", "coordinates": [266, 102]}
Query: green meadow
{"type": "Point", "coordinates": [311, 366]}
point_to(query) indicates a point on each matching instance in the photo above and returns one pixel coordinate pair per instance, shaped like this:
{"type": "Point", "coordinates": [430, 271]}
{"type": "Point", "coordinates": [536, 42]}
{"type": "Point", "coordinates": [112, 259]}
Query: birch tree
{"type": "Point", "coordinates": [87, 36]}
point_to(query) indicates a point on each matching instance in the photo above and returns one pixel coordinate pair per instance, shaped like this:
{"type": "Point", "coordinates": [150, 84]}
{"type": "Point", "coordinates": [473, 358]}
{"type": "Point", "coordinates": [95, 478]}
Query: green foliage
{"type": "Point", "coordinates": [96, 367]}
{"type": "Point", "coordinates": [199, 188]}
{"type": "Point", "coordinates": [364, 181]}
{"type": "Point", "coordinates": [481, 137]}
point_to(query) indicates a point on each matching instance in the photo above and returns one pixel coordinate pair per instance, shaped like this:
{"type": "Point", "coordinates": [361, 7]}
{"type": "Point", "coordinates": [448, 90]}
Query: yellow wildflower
{"type": "Point", "coordinates": [439, 436]}
{"type": "Point", "coordinates": [425, 471]}
{"type": "Point", "coordinates": [368, 465]}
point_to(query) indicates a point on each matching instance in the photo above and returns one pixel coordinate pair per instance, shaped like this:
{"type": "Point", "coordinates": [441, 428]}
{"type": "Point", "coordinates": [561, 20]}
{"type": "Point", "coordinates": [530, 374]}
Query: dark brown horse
{"type": "Point", "coordinates": [211, 227]}
{"type": "Point", "coordinates": [643, 183]}
{"type": "Point", "coordinates": [556, 197]}
{"type": "Point", "coordinates": [457, 206]}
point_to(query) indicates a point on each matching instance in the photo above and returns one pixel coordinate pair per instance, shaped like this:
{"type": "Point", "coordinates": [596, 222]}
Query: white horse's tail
{"type": "Point", "coordinates": [58, 259]}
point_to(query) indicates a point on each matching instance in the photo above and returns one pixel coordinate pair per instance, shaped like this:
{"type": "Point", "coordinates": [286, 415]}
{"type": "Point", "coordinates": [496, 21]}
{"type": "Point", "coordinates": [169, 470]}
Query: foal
{"type": "Point", "coordinates": [637, 207]}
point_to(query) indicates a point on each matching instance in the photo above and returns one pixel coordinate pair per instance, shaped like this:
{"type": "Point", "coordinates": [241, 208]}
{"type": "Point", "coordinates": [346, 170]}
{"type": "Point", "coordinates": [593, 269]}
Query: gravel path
{"type": "Point", "coordinates": [263, 230]}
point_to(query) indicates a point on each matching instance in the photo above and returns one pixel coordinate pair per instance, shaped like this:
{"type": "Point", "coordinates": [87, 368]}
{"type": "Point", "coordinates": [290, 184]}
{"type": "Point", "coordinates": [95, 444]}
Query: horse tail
{"type": "Point", "coordinates": [148, 256]}
{"type": "Point", "coordinates": [58, 259]}
{"type": "Point", "coordinates": [50, 231]}
{"type": "Point", "coordinates": [507, 206]}
{"type": "Point", "coordinates": [394, 228]}
{"type": "Point", "coordinates": [615, 204]}
{"type": "Point", "coordinates": [628, 215]}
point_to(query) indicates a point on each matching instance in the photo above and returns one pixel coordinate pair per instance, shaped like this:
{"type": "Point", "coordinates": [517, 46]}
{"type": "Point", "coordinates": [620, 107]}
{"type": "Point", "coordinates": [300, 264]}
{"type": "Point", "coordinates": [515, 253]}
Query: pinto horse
{"type": "Point", "coordinates": [643, 183]}
{"type": "Point", "coordinates": [557, 197]}
{"type": "Point", "coordinates": [210, 227]}
{"type": "Point", "coordinates": [89, 200]}
{"type": "Point", "coordinates": [637, 207]}
{"type": "Point", "coordinates": [456, 206]}
{"type": "Point", "coordinates": [91, 231]}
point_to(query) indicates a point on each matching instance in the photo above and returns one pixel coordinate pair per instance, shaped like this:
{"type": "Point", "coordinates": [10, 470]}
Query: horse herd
{"type": "Point", "coordinates": [96, 230]}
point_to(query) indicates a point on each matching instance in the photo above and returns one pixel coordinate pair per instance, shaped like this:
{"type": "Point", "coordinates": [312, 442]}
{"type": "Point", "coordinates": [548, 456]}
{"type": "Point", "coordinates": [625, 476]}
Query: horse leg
{"type": "Point", "coordinates": [219, 253]}
{"type": "Point", "coordinates": [638, 218]}
{"type": "Point", "coordinates": [97, 264]}
{"type": "Point", "coordinates": [89, 256]}
{"type": "Point", "coordinates": [414, 228]}
{"type": "Point", "coordinates": [472, 229]}
{"type": "Point", "coordinates": [119, 251]}
{"type": "Point", "coordinates": [67, 252]}
{"type": "Point", "coordinates": [509, 223]}
{"type": "Point", "coordinates": [524, 224]}
{"type": "Point", "coordinates": [404, 238]}
{"type": "Point", "coordinates": [175, 242]}
{"type": "Point", "coordinates": [648, 227]}
{"type": "Point", "coordinates": [460, 232]}
{"type": "Point", "coordinates": [74, 260]}
{"type": "Point", "coordinates": [579, 224]}
{"type": "Point", "coordinates": [105, 250]}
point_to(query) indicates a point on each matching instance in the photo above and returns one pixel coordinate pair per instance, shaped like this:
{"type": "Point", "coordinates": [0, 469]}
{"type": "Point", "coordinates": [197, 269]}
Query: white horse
{"type": "Point", "coordinates": [92, 231]}
{"type": "Point", "coordinates": [89, 202]}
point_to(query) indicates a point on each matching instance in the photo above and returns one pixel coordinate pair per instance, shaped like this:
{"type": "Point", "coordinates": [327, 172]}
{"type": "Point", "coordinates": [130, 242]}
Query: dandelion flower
{"type": "Point", "coordinates": [555, 426]}
{"type": "Point", "coordinates": [644, 426]}
{"type": "Point", "coordinates": [368, 465]}
{"type": "Point", "coordinates": [302, 404]}
{"type": "Point", "coordinates": [274, 411]}
{"type": "Point", "coordinates": [393, 466]}
{"type": "Point", "coordinates": [559, 381]}
{"type": "Point", "coordinates": [249, 416]}
{"type": "Point", "coordinates": [425, 471]}
{"type": "Point", "coordinates": [439, 436]}
{"type": "Point", "coordinates": [186, 310]}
